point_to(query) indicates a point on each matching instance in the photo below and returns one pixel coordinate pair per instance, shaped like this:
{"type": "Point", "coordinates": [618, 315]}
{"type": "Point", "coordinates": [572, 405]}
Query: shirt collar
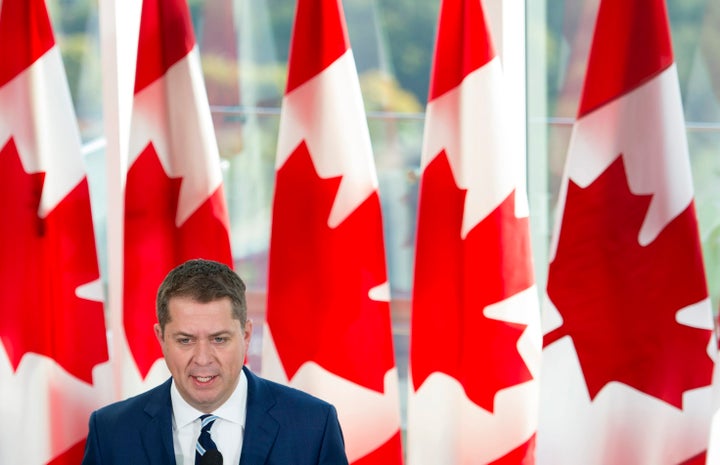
{"type": "Point", "coordinates": [232, 410]}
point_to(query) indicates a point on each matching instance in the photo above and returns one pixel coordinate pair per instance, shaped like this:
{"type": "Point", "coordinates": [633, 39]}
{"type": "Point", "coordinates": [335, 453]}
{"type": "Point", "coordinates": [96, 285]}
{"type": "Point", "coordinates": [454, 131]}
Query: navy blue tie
{"type": "Point", "coordinates": [205, 442]}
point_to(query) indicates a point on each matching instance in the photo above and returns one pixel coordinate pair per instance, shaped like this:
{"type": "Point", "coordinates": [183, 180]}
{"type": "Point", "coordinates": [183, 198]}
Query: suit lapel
{"type": "Point", "coordinates": [157, 432]}
{"type": "Point", "coordinates": [260, 427]}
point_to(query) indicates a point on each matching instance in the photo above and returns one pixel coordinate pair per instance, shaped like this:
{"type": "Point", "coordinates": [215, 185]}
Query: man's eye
{"type": "Point", "coordinates": [220, 339]}
{"type": "Point", "coordinates": [183, 340]}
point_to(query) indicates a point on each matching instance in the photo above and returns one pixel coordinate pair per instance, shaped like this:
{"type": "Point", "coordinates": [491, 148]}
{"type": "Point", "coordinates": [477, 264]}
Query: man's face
{"type": "Point", "coordinates": [204, 348]}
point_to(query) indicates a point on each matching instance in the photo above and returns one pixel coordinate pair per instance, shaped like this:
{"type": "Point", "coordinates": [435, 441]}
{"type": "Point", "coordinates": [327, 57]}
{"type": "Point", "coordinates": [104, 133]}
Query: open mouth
{"type": "Point", "coordinates": [203, 379]}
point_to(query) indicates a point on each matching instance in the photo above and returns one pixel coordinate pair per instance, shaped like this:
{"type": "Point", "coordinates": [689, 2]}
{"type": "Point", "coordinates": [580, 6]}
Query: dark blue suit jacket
{"type": "Point", "coordinates": [283, 426]}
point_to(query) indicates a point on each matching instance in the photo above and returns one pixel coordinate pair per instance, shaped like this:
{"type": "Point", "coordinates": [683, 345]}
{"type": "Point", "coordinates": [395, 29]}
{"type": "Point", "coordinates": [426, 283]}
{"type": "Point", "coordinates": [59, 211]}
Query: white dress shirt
{"type": "Point", "coordinates": [227, 431]}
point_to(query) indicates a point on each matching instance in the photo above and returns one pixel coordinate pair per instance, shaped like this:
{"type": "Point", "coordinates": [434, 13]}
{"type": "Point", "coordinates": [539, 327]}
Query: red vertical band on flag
{"type": "Point", "coordinates": [166, 36]}
{"type": "Point", "coordinates": [460, 27]}
{"type": "Point", "coordinates": [319, 38]}
{"type": "Point", "coordinates": [633, 40]}
{"type": "Point", "coordinates": [25, 36]}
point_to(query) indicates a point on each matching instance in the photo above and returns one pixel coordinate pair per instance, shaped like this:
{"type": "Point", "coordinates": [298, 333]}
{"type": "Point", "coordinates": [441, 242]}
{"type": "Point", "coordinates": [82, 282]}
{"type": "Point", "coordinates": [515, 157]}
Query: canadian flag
{"type": "Point", "coordinates": [328, 328]}
{"type": "Point", "coordinates": [475, 339]}
{"type": "Point", "coordinates": [174, 204]}
{"type": "Point", "coordinates": [53, 347]}
{"type": "Point", "coordinates": [628, 346]}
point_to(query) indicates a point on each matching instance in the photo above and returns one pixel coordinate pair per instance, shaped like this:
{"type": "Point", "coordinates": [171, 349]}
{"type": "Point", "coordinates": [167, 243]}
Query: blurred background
{"type": "Point", "coordinates": [244, 50]}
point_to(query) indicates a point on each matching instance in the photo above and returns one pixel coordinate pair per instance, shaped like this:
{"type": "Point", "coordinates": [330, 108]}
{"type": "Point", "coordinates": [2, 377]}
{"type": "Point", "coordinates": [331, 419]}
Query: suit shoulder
{"type": "Point", "coordinates": [132, 407]}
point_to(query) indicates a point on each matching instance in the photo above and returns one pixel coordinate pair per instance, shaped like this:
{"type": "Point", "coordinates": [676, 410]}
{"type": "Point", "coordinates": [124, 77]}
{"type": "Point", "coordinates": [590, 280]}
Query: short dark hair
{"type": "Point", "coordinates": [202, 281]}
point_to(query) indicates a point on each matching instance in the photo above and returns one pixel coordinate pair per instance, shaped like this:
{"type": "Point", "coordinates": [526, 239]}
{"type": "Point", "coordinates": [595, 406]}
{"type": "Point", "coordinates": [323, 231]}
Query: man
{"type": "Point", "coordinates": [205, 334]}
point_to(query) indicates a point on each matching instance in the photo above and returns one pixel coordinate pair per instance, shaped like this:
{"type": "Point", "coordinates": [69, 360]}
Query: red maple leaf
{"type": "Point", "coordinates": [42, 263]}
{"type": "Point", "coordinates": [456, 279]}
{"type": "Point", "coordinates": [319, 278]}
{"type": "Point", "coordinates": [619, 300]}
{"type": "Point", "coordinates": [154, 245]}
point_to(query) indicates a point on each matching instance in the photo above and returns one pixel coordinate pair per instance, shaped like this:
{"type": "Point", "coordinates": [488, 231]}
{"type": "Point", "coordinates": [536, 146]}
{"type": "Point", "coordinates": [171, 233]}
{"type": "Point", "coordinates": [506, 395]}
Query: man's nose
{"type": "Point", "coordinates": [203, 352]}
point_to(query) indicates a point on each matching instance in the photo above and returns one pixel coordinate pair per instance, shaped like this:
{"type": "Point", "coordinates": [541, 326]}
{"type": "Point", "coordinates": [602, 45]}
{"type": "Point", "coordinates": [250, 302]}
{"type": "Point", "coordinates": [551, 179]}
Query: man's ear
{"type": "Point", "coordinates": [158, 332]}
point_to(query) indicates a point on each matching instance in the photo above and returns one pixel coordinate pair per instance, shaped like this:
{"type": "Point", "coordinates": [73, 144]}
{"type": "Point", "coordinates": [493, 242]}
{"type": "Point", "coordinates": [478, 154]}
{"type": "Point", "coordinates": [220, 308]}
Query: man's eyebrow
{"type": "Point", "coordinates": [221, 333]}
{"type": "Point", "coordinates": [182, 334]}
